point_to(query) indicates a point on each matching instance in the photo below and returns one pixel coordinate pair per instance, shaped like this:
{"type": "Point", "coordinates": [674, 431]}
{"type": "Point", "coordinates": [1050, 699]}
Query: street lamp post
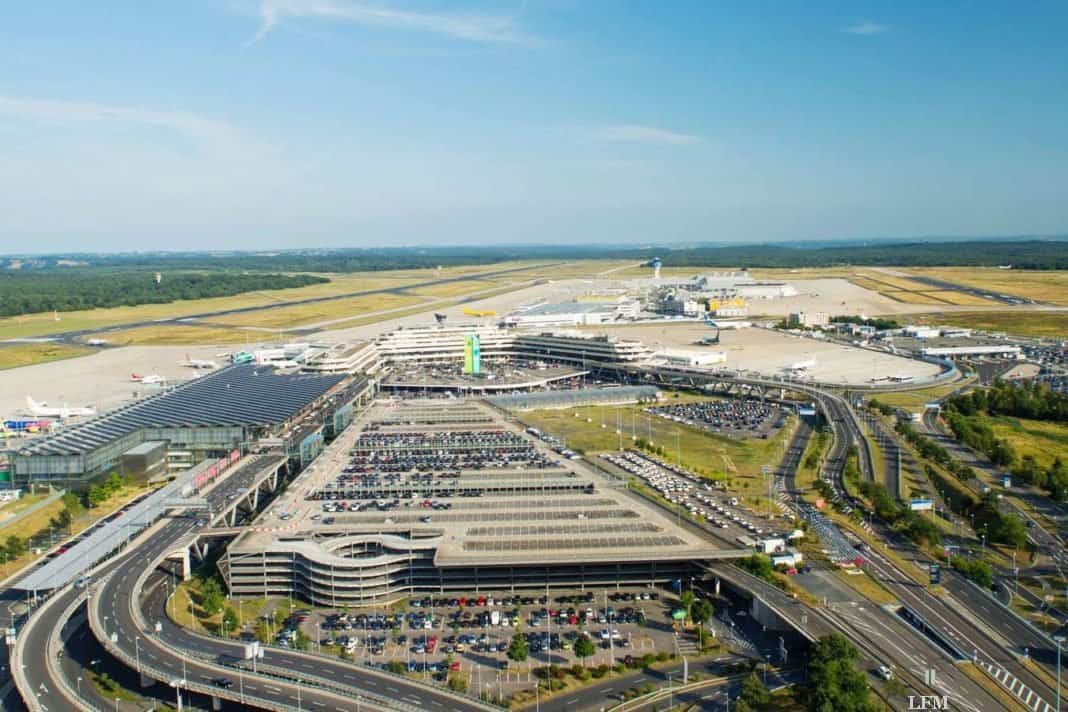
{"type": "Point", "coordinates": [137, 652]}
{"type": "Point", "coordinates": [1059, 640]}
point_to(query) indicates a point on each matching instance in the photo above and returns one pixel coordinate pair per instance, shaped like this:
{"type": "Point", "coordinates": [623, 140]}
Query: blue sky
{"type": "Point", "coordinates": [290, 123]}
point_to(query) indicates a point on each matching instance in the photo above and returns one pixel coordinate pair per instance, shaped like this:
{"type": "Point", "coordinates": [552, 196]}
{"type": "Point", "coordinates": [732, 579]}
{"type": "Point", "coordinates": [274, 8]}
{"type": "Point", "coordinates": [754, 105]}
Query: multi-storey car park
{"type": "Point", "coordinates": [434, 497]}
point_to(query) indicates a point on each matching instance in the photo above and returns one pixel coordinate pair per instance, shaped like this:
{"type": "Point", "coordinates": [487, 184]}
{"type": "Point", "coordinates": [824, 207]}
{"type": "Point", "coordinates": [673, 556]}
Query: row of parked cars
{"type": "Point", "coordinates": [732, 415]}
{"type": "Point", "coordinates": [699, 498]}
{"type": "Point", "coordinates": [555, 443]}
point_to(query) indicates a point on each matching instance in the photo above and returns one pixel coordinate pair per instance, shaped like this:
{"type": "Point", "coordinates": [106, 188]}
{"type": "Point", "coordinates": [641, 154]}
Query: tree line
{"type": "Point", "coordinates": [880, 323]}
{"type": "Point", "coordinates": [1000, 528]}
{"type": "Point", "coordinates": [966, 415]}
{"type": "Point", "coordinates": [1034, 401]}
{"type": "Point", "coordinates": [1040, 254]}
{"type": "Point", "coordinates": [76, 289]}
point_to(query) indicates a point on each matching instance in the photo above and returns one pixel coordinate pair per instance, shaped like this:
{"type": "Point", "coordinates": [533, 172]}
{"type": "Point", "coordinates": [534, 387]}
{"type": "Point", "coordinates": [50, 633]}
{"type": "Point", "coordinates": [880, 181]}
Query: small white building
{"type": "Point", "coordinates": [809, 319]}
{"type": "Point", "coordinates": [564, 314]}
{"type": "Point", "coordinates": [691, 358]}
{"type": "Point", "coordinates": [790, 558]}
{"type": "Point", "coordinates": [921, 332]}
{"type": "Point", "coordinates": [773, 545]}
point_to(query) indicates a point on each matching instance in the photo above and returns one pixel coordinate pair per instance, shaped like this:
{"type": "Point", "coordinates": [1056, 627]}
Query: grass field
{"type": "Point", "coordinates": [16, 355]}
{"type": "Point", "coordinates": [21, 504]}
{"type": "Point", "coordinates": [1048, 324]}
{"type": "Point", "coordinates": [905, 297]}
{"type": "Point", "coordinates": [807, 476]}
{"type": "Point", "coordinates": [179, 335]}
{"type": "Point", "coordinates": [301, 314]}
{"type": "Point", "coordinates": [736, 461]}
{"type": "Point", "coordinates": [909, 291]}
{"type": "Point", "coordinates": [470, 286]}
{"type": "Point", "coordinates": [1042, 440]}
{"type": "Point", "coordinates": [1043, 286]}
{"type": "Point", "coordinates": [960, 299]}
{"type": "Point", "coordinates": [913, 400]}
{"type": "Point", "coordinates": [33, 523]}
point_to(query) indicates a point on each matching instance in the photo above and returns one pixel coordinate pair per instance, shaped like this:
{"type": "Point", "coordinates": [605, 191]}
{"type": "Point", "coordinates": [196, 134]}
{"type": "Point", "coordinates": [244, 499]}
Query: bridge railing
{"type": "Point", "coordinates": [150, 670]}
{"type": "Point", "coordinates": [317, 681]}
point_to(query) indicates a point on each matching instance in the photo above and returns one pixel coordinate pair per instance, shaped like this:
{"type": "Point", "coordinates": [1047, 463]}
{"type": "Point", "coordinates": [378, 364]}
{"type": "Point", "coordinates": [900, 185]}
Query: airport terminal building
{"type": "Point", "coordinates": [208, 417]}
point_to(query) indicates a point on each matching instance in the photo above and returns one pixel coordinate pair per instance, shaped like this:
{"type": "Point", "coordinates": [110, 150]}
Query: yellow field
{"type": "Point", "coordinates": [870, 284]}
{"type": "Point", "coordinates": [456, 289]}
{"type": "Point", "coordinates": [181, 335]}
{"type": "Point", "coordinates": [1052, 324]}
{"type": "Point", "coordinates": [300, 314]}
{"type": "Point", "coordinates": [891, 282]}
{"type": "Point", "coordinates": [17, 355]}
{"type": "Point", "coordinates": [1042, 440]}
{"type": "Point", "coordinates": [914, 400]}
{"type": "Point", "coordinates": [1044, 286]}
{"type": "Point", "coordinates": [913, 297]}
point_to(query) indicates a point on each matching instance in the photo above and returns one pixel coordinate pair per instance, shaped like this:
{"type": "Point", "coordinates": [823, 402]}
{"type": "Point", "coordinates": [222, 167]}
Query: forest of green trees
{"type": "Point", "coordinates": [90, 288]}
{"type": "Point", "coordinates": [1022, 254]}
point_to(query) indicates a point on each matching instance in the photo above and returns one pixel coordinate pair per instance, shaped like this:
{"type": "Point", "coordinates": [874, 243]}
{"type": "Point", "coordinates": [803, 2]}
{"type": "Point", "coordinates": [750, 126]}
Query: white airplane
{"type": "Point", "coordinates": [198, 363]}
{"type": "Point", "coordinates": [43, 410]}
{"type": "Point", "coordinates": [801, 365]}
{"type": "Point", "coordinates": [147, 380]}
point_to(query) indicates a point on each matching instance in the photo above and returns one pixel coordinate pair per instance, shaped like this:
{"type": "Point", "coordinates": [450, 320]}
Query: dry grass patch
{"type": "Point", "coordinates": [18, 355]}
{"type": "Point", "coordinates": [1045, 441]}
{"type": "Point", "coordinates": [297, 315]}
{"type": "Point", "coordinates": [1049, 286]}
{"type": "Point", "coordinates": [177, 334]}
{"type": "Point", "coordinates": [1020, 322]}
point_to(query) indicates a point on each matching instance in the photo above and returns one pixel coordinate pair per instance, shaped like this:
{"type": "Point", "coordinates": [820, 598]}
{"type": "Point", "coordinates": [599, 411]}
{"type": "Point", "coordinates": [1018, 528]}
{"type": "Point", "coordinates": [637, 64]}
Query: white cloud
{"type": "Point", "coordinates": [474, 28]}
{"type": "Point", "coordinates": [192, 126]}
{"type": "Point", "coordinates": [866, 28]}
{"type": "Point", "coordinates": [632, 133]}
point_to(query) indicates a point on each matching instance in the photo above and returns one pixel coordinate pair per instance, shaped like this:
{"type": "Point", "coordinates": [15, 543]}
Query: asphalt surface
{"type": "Point", "coordinates": [113, 597]}
{"type": "Point", "coordinates": [70, 336]}
{"type": "Point", "coordinates": [955, 621]}
{"type": "Point", "coordinates": [943, 285]}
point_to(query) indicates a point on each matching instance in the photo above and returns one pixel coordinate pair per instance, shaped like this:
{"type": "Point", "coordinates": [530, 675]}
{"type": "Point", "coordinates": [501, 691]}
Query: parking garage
{"type": "Point", "coordinates": [459, 504]}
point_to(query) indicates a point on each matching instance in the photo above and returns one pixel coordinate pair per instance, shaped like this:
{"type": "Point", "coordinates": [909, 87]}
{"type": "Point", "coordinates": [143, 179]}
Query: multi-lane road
{"type": "Point", "coordinates": [175, 654]}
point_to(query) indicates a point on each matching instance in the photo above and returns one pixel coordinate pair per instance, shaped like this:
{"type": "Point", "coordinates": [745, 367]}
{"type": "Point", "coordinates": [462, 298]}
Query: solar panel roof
{"type": "Point", "coordinates": [235, 396]}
